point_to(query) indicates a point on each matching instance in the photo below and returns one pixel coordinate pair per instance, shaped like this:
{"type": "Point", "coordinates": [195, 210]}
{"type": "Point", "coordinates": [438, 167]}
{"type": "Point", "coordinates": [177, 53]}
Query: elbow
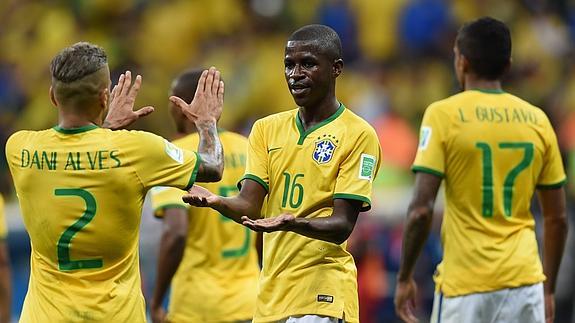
{"type": "Point", "coordinates": [343, 234]}
{"type": "Point", "coordinates": [420, 214]}
{"type": "Point", "coordinates": [211, 172]}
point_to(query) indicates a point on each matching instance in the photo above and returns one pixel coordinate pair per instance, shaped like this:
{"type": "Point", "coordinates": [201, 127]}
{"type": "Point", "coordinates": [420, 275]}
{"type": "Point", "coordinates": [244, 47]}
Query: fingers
{"type": "Point", "coordinates": [120, 84]}
{"type": "Point", "coordinates": [144, 111]}
{"type": "Point", "coordinates": [195, 200]}
{"type": "Point", "coordinates": [221, 92]}
{"type": "Point", "coordinates": [202, 82]}
{"type": "Point", "coordinates": [210, 79]}
{"type": "Point", "coordinates": [179, 102]}
{"type": "Point", "coordinates": [135, 88]}
{"type": "Point", "coordinates": [127, 82]}
{"type": "Point", "coordinates": [216, 83]}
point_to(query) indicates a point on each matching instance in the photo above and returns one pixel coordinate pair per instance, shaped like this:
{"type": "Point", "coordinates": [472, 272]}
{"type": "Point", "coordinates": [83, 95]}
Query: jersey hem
{"type": "Point", "coordinates": [274, 318]}
{"type": "Point", "coordinates": [488, 289]}
{"type": "Point", "coordinates": [355, 197]}
{"type": "Point", "coordinates": [427, 170]}
{"type": "Point", "coordinates": [551, 186]}
{"type": "Point", "coordinates": [194, 172]}
{"type": "Point", "coordinates": [253, 178]}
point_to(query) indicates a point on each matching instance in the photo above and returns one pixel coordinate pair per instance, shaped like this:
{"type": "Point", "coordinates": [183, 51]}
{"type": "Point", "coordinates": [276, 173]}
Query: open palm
{"type": "Point", "coordinates": [199, 196]}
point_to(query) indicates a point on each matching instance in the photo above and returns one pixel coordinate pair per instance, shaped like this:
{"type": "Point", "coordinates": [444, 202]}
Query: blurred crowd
{"type": "Point", "coordinates": [398, 59]}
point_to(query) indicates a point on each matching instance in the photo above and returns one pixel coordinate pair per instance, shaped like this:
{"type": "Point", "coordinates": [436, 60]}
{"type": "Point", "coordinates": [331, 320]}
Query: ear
{"type": "Point", "coordinates": [337, 67]}
{"type": "Point", "coordinates": [508, 67]}
{"type": "Point", "coordinates": [53, 96]}
{"type": "Point", "coordinates": [104, 97]}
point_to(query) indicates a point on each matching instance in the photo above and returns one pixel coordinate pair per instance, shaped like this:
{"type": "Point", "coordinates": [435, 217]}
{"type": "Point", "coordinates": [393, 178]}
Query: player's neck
{"type": "Point", "coordinates": [72, 119]}
{"type": "Point", "coordinates": [317, 113]}
{"type": "Point", "coordinates": [473, 83]}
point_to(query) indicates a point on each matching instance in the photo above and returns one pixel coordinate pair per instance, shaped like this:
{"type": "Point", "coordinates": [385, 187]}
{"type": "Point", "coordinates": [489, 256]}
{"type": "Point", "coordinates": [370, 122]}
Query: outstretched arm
{"type": "Point", "coordinates": [419, 216]}
{"type": "Point", "coordinates": [205, 111]}
{"type": "Point", "coordinates": [335, 228]}
{"type": "Point", "coordinates": [555, 232]}
{"type": "Point", "coordinates": [170, 255]}
{"type": "Point", "coordinates": [247, 203]}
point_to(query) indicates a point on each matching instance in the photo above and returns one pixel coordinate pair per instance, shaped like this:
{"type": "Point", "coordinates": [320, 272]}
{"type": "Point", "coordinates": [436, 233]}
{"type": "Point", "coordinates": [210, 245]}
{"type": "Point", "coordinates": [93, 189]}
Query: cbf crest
{"type": "Point", "coordinates": [324, 149]}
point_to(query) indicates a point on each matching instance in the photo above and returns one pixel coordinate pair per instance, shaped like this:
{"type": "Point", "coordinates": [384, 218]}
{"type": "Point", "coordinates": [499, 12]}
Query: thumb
{"type": "Point", "coordinates": [179, 102]}
{"type": "Point", "coordinates": [144, 111]}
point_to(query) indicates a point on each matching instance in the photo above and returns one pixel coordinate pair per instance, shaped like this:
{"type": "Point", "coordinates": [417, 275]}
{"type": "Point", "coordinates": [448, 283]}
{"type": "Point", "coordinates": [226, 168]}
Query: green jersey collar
{"type": "Point", "coordinates": [304, 133]}
{"type": "Point", "coordinates": [490, 91]}
{"type": "Point", "coordinates": [72, 131]}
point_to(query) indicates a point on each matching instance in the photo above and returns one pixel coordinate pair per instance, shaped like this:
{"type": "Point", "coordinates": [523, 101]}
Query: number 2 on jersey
{"type": "Point", "coordinates": [243, 250]}
{"type": "Point", "coordinates": [64, 261]}
{"type": "Point", "coordinates": [487, 186]}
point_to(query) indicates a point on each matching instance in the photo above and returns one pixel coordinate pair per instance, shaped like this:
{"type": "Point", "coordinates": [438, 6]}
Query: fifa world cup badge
{"type": "Point", "coordinates": [323, 151]}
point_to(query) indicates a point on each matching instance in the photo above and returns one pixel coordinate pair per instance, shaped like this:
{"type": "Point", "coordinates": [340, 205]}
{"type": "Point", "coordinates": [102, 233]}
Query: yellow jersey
{"type": "Point", "coordinates": [303, 172]}
{"type": "Point", "coordinates": [217, 278]}
{"type": "Point", "coordinates": [3, 228]}
{"type": "Point", "coordinates": [81, 193]}
{"type": "Point", "coordinates": [492, 149]}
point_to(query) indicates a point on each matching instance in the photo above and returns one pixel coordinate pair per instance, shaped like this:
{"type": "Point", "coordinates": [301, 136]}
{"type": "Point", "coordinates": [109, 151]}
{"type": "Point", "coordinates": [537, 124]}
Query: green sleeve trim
{"type": "Point", "coordinates": [194, 172]}
{"type": "Point", "coordinates": [255, 179]}
{"type": "Point", "coordinates": [552, 186]}
{"type": "Point", "coordinates": [355, 197]}
{"type": "Point", "coordinates": [161, 209]}
{"type": "Point", "coordinates": [422, 169]}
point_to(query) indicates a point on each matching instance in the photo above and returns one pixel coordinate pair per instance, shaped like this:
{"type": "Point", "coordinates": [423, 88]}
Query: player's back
{"type": "Point", "coordinates": [493, 149]}
{"type": "Point", "coordinates": [217, 278]}
{"type": "Point", "coordinates": [81, 193]}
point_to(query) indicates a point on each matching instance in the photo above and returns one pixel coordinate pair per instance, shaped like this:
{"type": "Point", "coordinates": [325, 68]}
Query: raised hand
{"type": "Point", "coordinates": [199, 196]}
{"type": "Point", "coordinates": [282, 222]}
{"type": "Point", "coordinates": [405, 300]}
{"type": "Point", "coordinates": [121, 110]}
{"type": "Point", "coordinates": [208, 100]}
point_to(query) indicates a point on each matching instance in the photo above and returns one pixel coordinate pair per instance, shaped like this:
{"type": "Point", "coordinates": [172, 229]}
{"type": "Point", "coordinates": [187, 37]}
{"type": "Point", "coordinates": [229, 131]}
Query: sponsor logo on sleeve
{"type": "Point", "coordinates": [325, 298]}
{"type": "Point", "coordinates": [424, 137]}
{"type": "Point", "coordinates": [366, 167]}
{"type": "Point", "coordinates": [174, 152]}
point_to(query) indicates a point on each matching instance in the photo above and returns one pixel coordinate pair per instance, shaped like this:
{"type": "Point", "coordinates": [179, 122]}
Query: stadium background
{"type": "Point", "coordinates": [398, 57]}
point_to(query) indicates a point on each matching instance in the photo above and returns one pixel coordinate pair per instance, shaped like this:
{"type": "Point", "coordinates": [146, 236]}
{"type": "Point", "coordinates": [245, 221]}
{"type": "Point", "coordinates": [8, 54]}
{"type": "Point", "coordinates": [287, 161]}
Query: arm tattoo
{"type": "Point", "coordinates": [211, 152]}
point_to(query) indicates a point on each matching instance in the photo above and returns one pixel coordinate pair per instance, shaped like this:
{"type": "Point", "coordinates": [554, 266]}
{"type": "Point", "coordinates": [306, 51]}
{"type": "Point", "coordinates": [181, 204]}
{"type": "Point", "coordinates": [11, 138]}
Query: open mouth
{"type": "Point", "coordinates": [299, 89]}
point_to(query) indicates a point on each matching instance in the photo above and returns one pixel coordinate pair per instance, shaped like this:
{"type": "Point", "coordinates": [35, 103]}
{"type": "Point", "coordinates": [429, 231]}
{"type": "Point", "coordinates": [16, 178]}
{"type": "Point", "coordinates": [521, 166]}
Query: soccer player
{"type": "Point", "coordinates": [314, 166]}
{"type": "Point", "coordinates": [5, 287]}
{"type": "Point", "coordinates": [215, 258]}
{"type": "Point", "coordinates": [81, 188]}
{"type": "Point", "coordinates": [493, 150]}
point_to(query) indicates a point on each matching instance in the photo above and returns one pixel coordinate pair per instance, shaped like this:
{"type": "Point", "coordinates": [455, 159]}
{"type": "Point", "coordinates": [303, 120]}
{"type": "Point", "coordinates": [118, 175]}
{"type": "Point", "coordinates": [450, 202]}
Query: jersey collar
{"type": "Point", "coordinates": [304, 133]}
{"type": "Point", "coordinates": [72, 131]}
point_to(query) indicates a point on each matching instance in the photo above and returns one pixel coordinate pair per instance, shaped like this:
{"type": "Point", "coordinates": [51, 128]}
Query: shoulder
{"type": "Point", "coordinates": [276, 118]}
{"type": "Point", "coordinates": [443, 106]}
{"type": "Point", "coordinates": [25, 137]}
{"type": "Point", "coordinates": [356, 125]}
{"type": "Point", "coordinates": [526, 105]}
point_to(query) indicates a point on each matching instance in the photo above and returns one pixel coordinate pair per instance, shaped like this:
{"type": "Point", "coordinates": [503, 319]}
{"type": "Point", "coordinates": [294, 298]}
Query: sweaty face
{"type": "Point", "coordinates": [308, 73]}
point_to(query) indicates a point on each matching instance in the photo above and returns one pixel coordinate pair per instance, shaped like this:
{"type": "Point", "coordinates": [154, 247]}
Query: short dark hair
{"type": "Point", "coordinates": [77, 61]}
{"type": "Point", "coordinates": [486, 44]}
{"type": "Point", "coordinates": [184, 86]}
{"type": "Point", "coordinates": [328, 39]}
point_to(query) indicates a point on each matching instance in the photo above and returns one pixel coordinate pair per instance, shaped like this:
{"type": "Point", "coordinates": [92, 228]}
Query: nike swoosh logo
{"type": "Point", "coordinates": [272, 149]}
